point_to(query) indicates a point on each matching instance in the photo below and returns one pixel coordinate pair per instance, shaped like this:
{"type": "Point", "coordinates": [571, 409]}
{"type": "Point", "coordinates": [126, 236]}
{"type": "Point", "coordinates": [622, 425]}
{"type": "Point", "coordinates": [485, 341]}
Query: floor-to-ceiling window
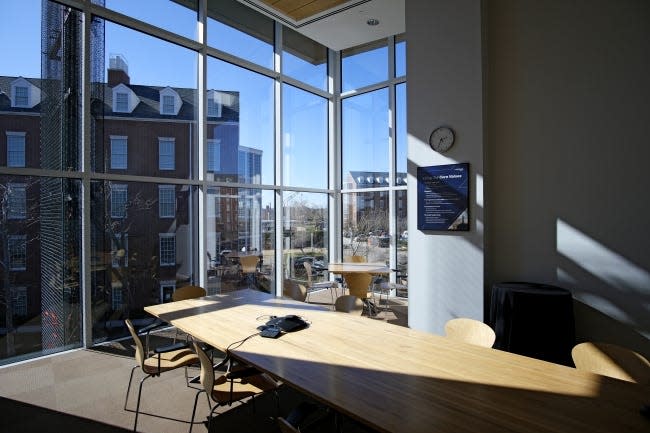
{"type": "Point", "coordinates": [139, 156]}
{"type": "Point", "coordinates": [373, 137]}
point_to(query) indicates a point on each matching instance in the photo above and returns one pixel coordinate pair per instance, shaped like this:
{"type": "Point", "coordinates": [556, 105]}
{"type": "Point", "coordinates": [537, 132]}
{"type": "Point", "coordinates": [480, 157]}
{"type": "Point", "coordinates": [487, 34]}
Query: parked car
{"type": "Point", "coordinates": [316, 264]}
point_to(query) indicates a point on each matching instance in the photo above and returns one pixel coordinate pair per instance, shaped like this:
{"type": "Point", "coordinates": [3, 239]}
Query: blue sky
{"type": "Point", "coordinates": [154, 62]}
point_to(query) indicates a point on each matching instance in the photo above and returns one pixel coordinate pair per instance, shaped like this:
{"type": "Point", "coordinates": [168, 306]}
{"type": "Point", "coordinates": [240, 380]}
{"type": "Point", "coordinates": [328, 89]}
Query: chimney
{"type": "Point", "coordinates": [118, 70]}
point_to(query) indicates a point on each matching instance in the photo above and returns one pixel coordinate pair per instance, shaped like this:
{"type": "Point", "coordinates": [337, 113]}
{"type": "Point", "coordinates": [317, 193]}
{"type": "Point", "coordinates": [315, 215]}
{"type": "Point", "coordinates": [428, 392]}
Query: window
{"type": "Point", "coordinates": [364, 65]}
{"type": "Point", "coordinates": [15, 149]}
{"type": "Point", "coordinates": [166, 153]}
{"type": "Point", "coordinates": [167, 289]}
{"type": "Point", "coordinates": [119, 196]}
{"type": "Point", "coordinates": [168, 104]}
{"type": "Point", "coordinates": [119, 153]}
{"type": "Point", "coordinates": [122, 102]}
{"type": "Point", "coordinates": [120, 250]}
{"type": "Point", "coordinates": [117, 298]}
{"type": "Point", "coordinates": [214, 156]}
{"type": "Point", "coordinates": [21, 96]}
{"type": "Point", "coordinates": [167, 201]}
{"type": "Point", "coordinates": [16, 201]}
{"type": "Point", "coordinates": [17, 250]}
{"type": "Point", "coordinates": [19, 301]}
{"type": "Point", "coordinates": [167, 249]}
{"type": "Point", "coordinates": [214, 107]}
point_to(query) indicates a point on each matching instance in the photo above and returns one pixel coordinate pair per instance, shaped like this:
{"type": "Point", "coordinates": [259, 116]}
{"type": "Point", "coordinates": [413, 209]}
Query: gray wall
{"type": "Point", "coordinates": [566, 144]}
{"type": "Point", "coordinates": [445, 87]}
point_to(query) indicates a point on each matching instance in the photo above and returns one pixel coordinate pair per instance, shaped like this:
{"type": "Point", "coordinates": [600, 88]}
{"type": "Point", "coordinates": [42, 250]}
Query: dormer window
{"type": "Point", "coordinates": [170, 102]}
{"type": "Point", "coordinates": [21, 96]}
{"type": "Point", "coordinates": [122, 102]}
{"type": "Point", "coordinates": [24, 94]}
{"type": "Point", "coordinates": [214, 103]}
{"type": "Point", "coordinates": [124, 99]}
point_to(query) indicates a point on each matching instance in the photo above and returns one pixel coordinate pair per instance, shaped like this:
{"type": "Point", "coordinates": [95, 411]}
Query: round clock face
{"type": "Point", "coordinates": [441, 139]}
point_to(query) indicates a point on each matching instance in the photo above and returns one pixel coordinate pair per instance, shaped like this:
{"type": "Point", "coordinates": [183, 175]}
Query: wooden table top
{"type": "Point", "coordinates": [396, 379]}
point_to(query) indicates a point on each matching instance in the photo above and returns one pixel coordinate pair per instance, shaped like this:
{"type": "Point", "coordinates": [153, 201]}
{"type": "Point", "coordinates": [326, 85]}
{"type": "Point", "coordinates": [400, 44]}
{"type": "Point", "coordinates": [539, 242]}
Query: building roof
{"type": "Point", "coordinates": [149, 106]}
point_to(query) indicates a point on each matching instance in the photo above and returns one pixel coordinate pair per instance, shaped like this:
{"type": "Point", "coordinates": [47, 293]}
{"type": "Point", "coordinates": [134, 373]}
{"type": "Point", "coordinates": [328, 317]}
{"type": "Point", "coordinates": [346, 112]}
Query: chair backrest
{"type": "Point", "coordinates": [358, 283]}
{"type": "Point", "coordinates": [294, 290]}
{"type": "Point", "coordinates": [248, 264]}
{"type": "Point", "coordinates": [307, 266]}
{"type": "Point", "coordinates": [349, 304]}
{"type": "Point", "coordinates": [139, 348]}
{"type": "Point", "coordinates": [612, 360]}
{"type": "Point", "coordinates": [207, 373]}
{"type": "Point", "coordinates": [470, 331]}
{"type": "Point", "coordinates": [188, 292]}
{"type": "Point", "coordinates": [356, 259]}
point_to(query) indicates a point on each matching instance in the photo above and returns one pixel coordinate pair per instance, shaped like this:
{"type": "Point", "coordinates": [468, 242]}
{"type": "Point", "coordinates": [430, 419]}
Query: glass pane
{"type": "Point", "coordinates": [305, 233]}
{"type": "Point", "coordinates": [366, 134]}
{"type": "Point", "coordinates": [40, 290]}
{"type": "Point", "coordinates": [137, 253]}
{"type": "Point", "coordinates": [127, 135]}
{"type": "Point", "coordinates": [304, 138]}
{"type": "Point", "coordinates": [238, 30]}
{"type": "Point", "coordinates": [364, 65]}
{"type": "Point", "coordinates": [400, 55]}
{"type": "Point", "coordinates": [401, 138]}
{"type": "Point", "coordinates": [402, 235]}
{"type": "Point", "coordinates": [240, 222]}
{"type": "Point", "coordinates": [365, 226]}
{"type": "Point", "coordinates": [240, 138]}
{"type": "Point", "coordinates": [40, 298]}
{"type": "Point", "coordinates": [33, 101]}
{"type": "Point", "coordinates": [172, 15]}
{"type": "Point", "coordinates": [304, 59]}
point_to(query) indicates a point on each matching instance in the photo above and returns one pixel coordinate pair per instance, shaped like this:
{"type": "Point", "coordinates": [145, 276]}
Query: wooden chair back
{"type": "Point", "coordinates": [188, 292]}
{"type": "Point", "coordinates": [294, 290]}
{"type": "Point", "coordinates": [470, 331]}
{"type": "Point", "coordinates": [358, 283]}
{"type": "Point", "coordinates": [140, 354]}
{"type": "Point", "coordinates": [349, 304]}
{"type": "Point", "coordinates": [612, 360]}
{"type": "Point", "coordinates": [248, 264]}
{"type": "Point", "coordinates": [307, 266]}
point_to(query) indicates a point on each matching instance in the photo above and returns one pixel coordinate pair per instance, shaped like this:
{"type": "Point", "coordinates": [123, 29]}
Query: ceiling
{"type": "Point", "coordinates": [337, 24]}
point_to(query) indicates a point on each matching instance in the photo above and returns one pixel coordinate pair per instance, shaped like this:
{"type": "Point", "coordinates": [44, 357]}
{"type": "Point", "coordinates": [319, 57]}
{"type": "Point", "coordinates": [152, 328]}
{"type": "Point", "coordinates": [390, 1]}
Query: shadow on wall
{"type": "Point", "coordinates": [612, 294]}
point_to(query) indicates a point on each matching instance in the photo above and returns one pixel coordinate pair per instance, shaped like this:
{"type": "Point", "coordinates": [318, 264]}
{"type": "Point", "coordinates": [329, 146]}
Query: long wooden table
{"type": "Point", "coordinates": [395, 379]}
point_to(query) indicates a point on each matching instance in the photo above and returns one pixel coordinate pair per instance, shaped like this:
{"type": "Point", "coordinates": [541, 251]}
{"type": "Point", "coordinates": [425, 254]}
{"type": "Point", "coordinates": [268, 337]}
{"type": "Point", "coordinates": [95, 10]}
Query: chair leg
{"type": "Point", "coordinates": [128, 388]}
{"type": "Point", "coordinates": [196, 399]}
{"type": "Point", "coordinates": [210, 416]}
{"type": "Point", "coordinates": [137, 407]}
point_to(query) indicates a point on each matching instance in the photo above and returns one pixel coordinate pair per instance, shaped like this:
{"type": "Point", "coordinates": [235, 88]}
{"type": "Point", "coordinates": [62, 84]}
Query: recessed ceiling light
{"type": "Point", "coordinates": [372, 21]}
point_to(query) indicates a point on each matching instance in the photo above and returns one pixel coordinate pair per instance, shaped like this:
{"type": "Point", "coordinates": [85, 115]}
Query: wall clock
{"type": "Point", "coordinates": [441, 139]}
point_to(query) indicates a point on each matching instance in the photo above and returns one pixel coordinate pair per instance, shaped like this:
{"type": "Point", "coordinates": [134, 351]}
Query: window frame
{"type": "Point", "coordinates": [19, 308]}
{"type": "Point", "coordinates": [22, 159]}
{"type": "Point", "coordinates": [12, 199]}
{"type": "Point", "coordinates": [119, 187]}
{"type": "Point", "coordinates": [164, 257]}
{"type": "Point", "coordinates": [166, 156]}
{"type": "Point", "coordinates": [119, 160]}
{"type": "Point", "coordinates": [162, 191]}
{"type": "Point", "coordinates": [17, 242]}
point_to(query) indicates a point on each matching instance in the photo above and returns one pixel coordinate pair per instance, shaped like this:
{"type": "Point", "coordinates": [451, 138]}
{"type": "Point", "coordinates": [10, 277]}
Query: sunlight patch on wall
{"type": "Point", "coordinates": [479, 190]}
{"type": "Point", "coordinates": [599, 260]}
